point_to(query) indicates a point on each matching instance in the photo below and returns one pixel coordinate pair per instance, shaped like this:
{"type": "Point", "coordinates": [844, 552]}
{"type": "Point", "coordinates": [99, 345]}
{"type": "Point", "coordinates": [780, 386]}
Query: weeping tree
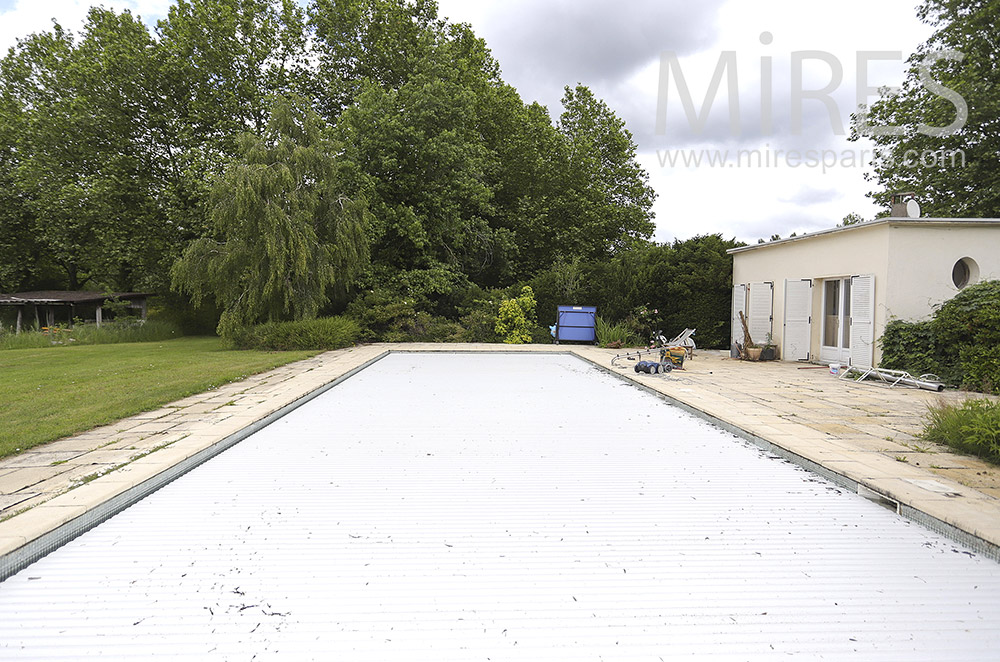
{"type": "Point", "coordinates": [288, 226]}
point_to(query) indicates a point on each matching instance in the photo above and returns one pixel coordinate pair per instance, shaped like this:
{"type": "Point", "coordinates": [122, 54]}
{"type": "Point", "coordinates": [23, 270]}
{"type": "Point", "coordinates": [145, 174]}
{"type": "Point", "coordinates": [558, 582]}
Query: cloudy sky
{"type": "Point", "coordinates": [768, 165]}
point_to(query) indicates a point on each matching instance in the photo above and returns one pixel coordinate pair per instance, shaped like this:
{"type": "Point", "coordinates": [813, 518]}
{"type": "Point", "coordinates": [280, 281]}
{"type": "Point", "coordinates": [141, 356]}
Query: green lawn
{"type": "Point", "coordinates": [50, 393]}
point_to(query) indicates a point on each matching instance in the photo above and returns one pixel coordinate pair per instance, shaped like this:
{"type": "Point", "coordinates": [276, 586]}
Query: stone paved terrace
{"type": "Point", "coordinates": [865, 433]}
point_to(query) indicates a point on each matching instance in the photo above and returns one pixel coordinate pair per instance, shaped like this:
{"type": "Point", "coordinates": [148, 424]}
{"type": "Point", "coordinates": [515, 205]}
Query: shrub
{"type": "Point", "coordinates": [972, 427]}
{"type": "Point", "coordinates": [418, 305]}
{"type": "Point", "coordinates": [440, 329]}
{"type": "Point", "coordinates": [480, 323]}
{"type": "Point", "coordinates": [981, 368]}
{"type": "Point", "coordinates": [971, 317]}
{"type": "Point", "coordinates": [643, 321]}
{"type": "Point", "coordinates": [967, 333]}
{"type": "Point", "coordinates": [516, 318]}
{"type": "Point", "coordinates": [564, 283]}
{"type": "Point", "coordinates": [541, 334]}
{"type": "Point", "coordinates": [382, 314]}
{"type": "Point", "coordinates": [615, 335]}
{"type": "Point", "coordinates": [320, 333]}
{"type": "Point", "coordinates": [910, 346]}
{"type": "Point", "coordinates": [381, 317]}
{"type": "Point", "coordinates": [421, 326]}
{"type": "Point", "coordinates": [959, 344]}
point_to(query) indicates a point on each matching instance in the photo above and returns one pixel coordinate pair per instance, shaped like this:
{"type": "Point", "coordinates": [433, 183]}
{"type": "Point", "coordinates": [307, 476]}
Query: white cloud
{"type": "Point", "coordinates": [20, 18]}
{"type": "Point", "coordinates": [616, 51]}
{"type": "Point", "coordinates": [808, 196]}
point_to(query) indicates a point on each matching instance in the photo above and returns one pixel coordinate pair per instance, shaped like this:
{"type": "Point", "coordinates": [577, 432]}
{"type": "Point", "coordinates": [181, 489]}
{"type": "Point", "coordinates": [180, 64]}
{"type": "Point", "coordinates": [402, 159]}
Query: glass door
{"type": "Point", "coordinates": [836, 345]}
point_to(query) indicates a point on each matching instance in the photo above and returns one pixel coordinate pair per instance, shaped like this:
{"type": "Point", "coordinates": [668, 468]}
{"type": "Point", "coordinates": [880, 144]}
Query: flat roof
{"type": "Point", "coordinates": [888, 220]}
{"type": "Point", "coordinates": [452, 507]}
{"type": "Point", "coordinates": [64, 297]}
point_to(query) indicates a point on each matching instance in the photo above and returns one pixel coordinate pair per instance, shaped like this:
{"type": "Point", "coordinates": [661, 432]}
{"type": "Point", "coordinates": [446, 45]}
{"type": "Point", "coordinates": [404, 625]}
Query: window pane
{"type": "Point", "coordinates": [846, 341]}
{"type": "Point", "coordinates": [831, 318]}
{"type": "Point", "coordinates": [832, 297]}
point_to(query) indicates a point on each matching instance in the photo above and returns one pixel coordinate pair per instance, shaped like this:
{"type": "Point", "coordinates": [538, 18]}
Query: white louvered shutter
{"type": "Point", "coordinates": [862, 320]}
{"type": "Point", "coordinates": [739, 306]}
{"type": "Point", "coordinates": [798, 320]}
{"type": "Point", "coordinates": [760, 299]}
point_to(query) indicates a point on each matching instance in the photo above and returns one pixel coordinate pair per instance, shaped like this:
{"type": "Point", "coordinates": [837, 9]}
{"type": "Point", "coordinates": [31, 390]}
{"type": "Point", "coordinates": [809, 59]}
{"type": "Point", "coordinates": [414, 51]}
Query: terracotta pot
{"type": "Point", "coordinates": [753, 353]}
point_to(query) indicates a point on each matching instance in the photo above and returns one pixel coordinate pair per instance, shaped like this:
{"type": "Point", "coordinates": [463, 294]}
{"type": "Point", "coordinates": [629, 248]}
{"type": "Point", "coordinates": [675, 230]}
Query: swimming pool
{"type": "Point", "coordinates": [486, 506]}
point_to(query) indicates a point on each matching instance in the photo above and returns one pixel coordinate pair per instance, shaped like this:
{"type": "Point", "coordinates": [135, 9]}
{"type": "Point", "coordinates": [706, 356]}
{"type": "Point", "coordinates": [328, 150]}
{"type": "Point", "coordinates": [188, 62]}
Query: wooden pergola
{"type": "Point", "coordinates": [48, 302]}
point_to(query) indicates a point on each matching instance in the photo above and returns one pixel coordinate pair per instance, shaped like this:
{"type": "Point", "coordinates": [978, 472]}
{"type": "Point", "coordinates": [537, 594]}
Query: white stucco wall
{"type": "Point", "coordinates": [911, 259]}
{"type": "Point", "coordinates": [862, 250]}
{"type": "Point", "coordinates": [921, 258]}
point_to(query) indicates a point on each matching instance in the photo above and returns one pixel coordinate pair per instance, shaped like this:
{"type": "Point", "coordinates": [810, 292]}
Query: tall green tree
{"type": "Point", "coordinates": [80, 155]}
{"type": "Point", "coordinates": [955, 172]}
{"type": "Point", "coordinates": [286, 229]}
{"type": "Point", "coordinates": [218, 63]}
{"type": "Point", "coordinates": [419, 146]}
{"type": "Point", "coordinates": [584, 195]}
{"type": "Point", "coordinates": [111, 139]}
{"type": "Point", "coordinates": [363, 42]}
{"type": "Point", "coordinates": [19, 245]}
{"type": "Point", "coordinates": [221, 60]}
{"type": "Point", "coordinates": [612, 193]}
{"type": "Point", "coordinates": [423, 140]}
{"type": "Point", "coordinates": [531, 162]}
{"type": "Point", "coordinates": [467, 178]}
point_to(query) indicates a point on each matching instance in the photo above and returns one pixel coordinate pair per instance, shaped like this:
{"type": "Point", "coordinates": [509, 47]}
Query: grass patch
{"type": "Point", "coordinates": [50, 393]}
{"type": "Point", "coordinates": [972, 427]}
{"type": "Point", "coordinates": [916, 448]}
{"type": "Point", "coordinates": [118, 331]}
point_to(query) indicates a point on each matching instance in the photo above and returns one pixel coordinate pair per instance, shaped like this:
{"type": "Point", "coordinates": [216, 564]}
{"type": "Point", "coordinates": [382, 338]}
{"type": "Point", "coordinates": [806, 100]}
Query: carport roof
{"type": "Point", "coordinates": [56, 297]}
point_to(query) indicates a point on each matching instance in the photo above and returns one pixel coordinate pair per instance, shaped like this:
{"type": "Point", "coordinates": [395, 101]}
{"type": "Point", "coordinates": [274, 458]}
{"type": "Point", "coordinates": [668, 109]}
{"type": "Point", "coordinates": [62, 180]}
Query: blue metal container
{"type": "Point", "coordinates": [576, 323]}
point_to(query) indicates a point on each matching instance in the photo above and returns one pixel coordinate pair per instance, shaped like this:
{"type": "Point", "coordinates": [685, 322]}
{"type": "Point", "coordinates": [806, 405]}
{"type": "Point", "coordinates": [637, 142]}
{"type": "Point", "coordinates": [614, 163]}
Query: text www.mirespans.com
{"type": "Point", "coordinates": [823, 159]}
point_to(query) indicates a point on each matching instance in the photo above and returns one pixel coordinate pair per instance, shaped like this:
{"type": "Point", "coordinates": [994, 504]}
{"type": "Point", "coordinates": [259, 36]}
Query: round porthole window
{"type": "Point", "coordinates": [965, 272]}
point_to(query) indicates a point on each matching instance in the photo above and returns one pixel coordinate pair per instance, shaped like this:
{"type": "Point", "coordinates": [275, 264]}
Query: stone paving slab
{"type": "Point", "coordinates": [22, 479]}
{"type": "Point", "coordinates": [11, 500]}
{"type": "Point", "coordinates": [42, 458]}
{"type": "Point", "coordinates": [863, 432]}
{"type": "Point", "coordinates": [882, 453]}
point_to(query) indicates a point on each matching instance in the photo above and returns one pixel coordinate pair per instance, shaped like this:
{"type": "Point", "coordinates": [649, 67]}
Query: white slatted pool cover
{"type": "Point", "coordinates": [501, 507]}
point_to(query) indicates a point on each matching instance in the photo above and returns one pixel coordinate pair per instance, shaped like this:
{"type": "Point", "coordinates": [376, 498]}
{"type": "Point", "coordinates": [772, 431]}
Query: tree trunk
{"type": "Point", "coordinates": [71, 277]}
